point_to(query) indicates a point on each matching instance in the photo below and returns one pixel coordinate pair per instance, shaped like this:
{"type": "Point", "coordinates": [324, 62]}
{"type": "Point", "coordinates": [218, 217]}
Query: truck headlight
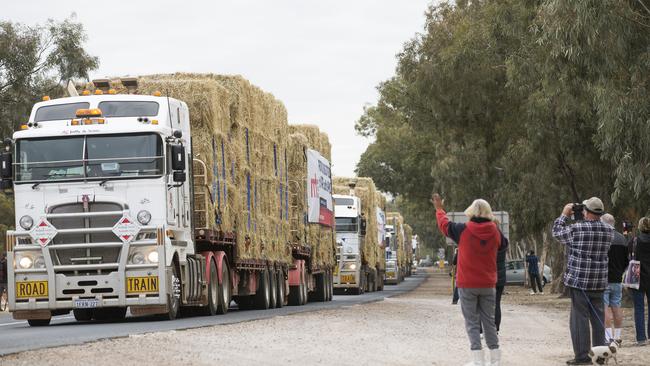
{"type": "Point", "coordinates": [26, 222]}
{"type": "Point", "coordinates": [144, 217]}
{"type": "Point", "coordinates": [143, 255]}
{"type": "Point", "coordinates": [25, 262]}
{"type": "Point", "coordinates": [349, 266]}
{"type": "Point", "coordinates": [153, 256]}
{"type": "Point", "coordinates": [28, 260]}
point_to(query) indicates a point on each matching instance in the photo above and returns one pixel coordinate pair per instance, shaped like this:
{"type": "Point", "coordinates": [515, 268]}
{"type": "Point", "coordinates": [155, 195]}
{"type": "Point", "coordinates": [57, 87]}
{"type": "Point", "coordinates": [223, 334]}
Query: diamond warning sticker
{"type": "Point", "coordinates": [43, 232]}
{"type": "Point", "coordinates": [126, 229]}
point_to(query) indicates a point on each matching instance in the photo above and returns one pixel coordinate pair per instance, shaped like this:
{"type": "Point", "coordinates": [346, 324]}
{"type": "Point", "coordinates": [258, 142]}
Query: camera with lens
{"type": "Point", "coordinates": [578, 211]}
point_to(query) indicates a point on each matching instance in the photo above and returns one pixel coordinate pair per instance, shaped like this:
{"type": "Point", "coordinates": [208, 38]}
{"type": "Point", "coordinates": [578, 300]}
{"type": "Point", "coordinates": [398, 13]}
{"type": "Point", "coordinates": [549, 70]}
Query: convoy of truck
{"type": "Point", "coordinates": [185, 202]}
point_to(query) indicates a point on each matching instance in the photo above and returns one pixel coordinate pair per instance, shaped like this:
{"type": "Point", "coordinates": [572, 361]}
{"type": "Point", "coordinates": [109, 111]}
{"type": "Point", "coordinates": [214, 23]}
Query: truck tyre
{"type": "Point", "coordinates": [213, 291]}
{"type": "Point", "coordinates": [224, 289]}
{"type": "Point", "coordinates": [280, 288]}
{"type": "Point", "coordinates": [38, 322]}
{"type": "Point", "coordinates": [305, 288]}
{"type": "Point", "coordinates": [109, 314]}
{"type": "Point", "coordinates": [82, 315]}
{"type": "Point", "coordinates": [331, 279]}
{"type": "Point", "coordinates": [262, 297]}
{"type": "Point", "coordinates": [273, 288]}
{"type": "Point", "coordinates": [295, 295]}
{"type": "Point", "coordinates": [173, 299]}
{"type": "Point", "coordinates": [321, 288]}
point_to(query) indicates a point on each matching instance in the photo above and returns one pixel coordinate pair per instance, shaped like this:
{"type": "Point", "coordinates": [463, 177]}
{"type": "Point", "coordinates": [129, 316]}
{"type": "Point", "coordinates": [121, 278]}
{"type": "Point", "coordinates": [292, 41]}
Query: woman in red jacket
{"type": "Point", "coordinates": [478, 242]}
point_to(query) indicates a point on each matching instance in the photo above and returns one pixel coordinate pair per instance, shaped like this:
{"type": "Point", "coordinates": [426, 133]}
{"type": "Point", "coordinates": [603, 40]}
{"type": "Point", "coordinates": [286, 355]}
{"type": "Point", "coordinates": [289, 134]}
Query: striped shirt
{"type": "Point", "coordinates": [587, 243]}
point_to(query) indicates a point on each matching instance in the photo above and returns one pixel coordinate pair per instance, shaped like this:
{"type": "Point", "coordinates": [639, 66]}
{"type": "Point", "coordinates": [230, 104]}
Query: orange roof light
{"type": "Point", "coordinates": [85, 92]}
{"type": "Point", "coordinates": [23, 127]}
{"type": "Point", "coordinates": [46, 98]}
{"type": "Point", "coordinates": [157, 93]}
{"type": "Point", "coordinates": [98, 92]}
{"type": "Point", "coordinates": [154, 121]}
{"type": "Point", "coordinates": [93, 112]}
{"type": "Point", "coordinates": [112, 91]}
{"type": "Point", "coordinates": [74, 122]}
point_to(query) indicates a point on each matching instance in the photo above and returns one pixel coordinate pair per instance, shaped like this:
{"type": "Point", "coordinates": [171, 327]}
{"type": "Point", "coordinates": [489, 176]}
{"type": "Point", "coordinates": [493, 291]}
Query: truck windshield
{"type": "Point", "coordinates": [346, 224]}
{"type": "Point", "coordinates": [89, 157]}
{"type": "Point", "coordinates": [344, 201]}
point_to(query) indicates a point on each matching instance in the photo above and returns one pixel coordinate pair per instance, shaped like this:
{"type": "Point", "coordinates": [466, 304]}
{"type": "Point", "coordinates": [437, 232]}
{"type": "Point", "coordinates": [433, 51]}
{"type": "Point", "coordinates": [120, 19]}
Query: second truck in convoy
{"type": "Point", "coordinates": [163, 203]}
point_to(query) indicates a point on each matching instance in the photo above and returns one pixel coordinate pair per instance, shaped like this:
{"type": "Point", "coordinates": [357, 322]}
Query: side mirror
{"type": "Point", "coordinates": [179, 176]}
{"type": "Point", "coordinates": [6, 169]}
{"type": "Point", "coordinates": [363, 226]}
{"type": "Point", "coordinates": [178, 157]}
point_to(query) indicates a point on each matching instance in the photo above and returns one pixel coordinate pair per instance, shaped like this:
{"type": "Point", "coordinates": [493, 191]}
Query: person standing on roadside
{"type": "Point", "coordinates": [3, 272]}
{"type": "Point", "coordinates": [478, 242]}
{"type": "Point", "coordinates": [587, 243]}
{"type": "Point", "coordinates": [640, 251]}
{"type": "Point", "coordinates": [533, 273]}
{"type": "Point", "coordinates": [501, 280]}
{"type": "Point", "coordinates": [454, 270]}
{"type": "Point", "coordinates": [618, 260]}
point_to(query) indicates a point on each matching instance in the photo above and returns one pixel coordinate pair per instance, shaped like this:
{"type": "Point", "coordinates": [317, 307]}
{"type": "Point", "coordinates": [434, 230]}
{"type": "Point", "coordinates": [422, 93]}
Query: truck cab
{"type": "Point", "coordinates": [103, 210]}
{"type": "Point", "coordinates": [350, 233]}
{"type": "Point", "coordinates": [392, 269]}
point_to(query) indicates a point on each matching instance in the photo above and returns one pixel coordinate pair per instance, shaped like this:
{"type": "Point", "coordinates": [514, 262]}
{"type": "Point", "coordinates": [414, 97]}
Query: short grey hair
{"type": "Point", "coordinates": [608, 219]}
{"type": "Point", "coordinates": [480, 208]}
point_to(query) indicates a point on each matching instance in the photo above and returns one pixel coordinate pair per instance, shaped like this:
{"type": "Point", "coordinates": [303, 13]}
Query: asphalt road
{"type": "Point", "coordinates": [17, 335]}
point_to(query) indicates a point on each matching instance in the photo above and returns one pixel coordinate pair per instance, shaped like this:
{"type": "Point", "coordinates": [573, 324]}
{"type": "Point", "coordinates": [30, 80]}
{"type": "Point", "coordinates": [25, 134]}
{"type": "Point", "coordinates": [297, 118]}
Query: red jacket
{"type": "Point", "coordinates": [478, 242]}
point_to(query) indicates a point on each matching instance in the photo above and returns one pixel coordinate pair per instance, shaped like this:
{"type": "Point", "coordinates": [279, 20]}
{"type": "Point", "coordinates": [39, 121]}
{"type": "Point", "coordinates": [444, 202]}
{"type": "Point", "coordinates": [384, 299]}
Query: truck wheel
{"type": "Point", "coordinates": [213, 291]}
{"type": "Point", "coordinates": [280, 288]}
{"type": "Point", "coordinates": [262, 297]}
{"type": "Point", "coordinates": [273, 288]}
{"type": "Point", "coordinates": [82, 315]}
{"type": "Point", "coordinates": [224, 289]}
{"type": "Point", "coordinates": [295, 295]}
{"type": "Point", "coordinates": [319, 293]}
{"type": "Point", "coordinates": [173, 299]}
{"type": "Point", "coordinates": [109, 314]}
{"type": "Point", "coordinates": [38, 322]}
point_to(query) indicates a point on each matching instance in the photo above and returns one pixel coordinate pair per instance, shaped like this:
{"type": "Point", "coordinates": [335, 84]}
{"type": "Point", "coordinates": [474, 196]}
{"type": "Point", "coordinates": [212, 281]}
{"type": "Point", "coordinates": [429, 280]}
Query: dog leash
{"type": "Point", "coordinates": [593, 308]}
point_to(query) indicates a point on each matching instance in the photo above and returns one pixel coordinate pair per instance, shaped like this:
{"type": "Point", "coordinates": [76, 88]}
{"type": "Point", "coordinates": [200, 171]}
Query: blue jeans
{"type": "Point", "coordinates": [639, 314]}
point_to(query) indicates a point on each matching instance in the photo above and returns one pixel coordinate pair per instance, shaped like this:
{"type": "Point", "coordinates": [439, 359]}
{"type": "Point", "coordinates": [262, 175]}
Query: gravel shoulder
{"type": "Point", "coordinates": [418, 328]}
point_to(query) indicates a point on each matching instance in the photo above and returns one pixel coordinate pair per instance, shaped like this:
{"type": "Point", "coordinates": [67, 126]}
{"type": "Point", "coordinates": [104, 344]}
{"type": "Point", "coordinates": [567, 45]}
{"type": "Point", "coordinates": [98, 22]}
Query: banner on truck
{"type": "Point", "coordinates": [381, 226]}
{"type": "Point", "coordinates": [319, 189]}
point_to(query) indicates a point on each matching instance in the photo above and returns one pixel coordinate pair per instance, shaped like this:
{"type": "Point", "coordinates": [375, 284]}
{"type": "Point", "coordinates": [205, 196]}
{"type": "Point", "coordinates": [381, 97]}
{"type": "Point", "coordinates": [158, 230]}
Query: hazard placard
{"type": "Point", "coordinates": [43, 232]}
{"type": "Point", "coordinates": [126, 229]}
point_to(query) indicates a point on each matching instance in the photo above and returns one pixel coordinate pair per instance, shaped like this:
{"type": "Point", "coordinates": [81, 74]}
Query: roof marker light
{"type": "Point", "coordinates": [74, 122]}
{"type": "Point", "coordinates": [112, 91]}
{"type": "Point", "coordinates": [85, 92]}
{"type": "Point", "coordinates": [46, 98]}
{"type": "Point", "coordinates": [23, 127]}
{"type": "Point", "coordinates": [154, 121]}
{"type": "Point", "coordinates": [98, 92]}
{"type": "Point", "coordinates": [157, 93]}
{"type": "Point", "coordinates": [93, 112]}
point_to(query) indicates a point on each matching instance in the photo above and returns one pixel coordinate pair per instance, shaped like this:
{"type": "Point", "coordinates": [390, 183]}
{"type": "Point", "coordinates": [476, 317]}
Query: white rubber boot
{"type": "Point", "coordinates": [477, 357]}
{"type": "Point", "coordinates": [495, 357]}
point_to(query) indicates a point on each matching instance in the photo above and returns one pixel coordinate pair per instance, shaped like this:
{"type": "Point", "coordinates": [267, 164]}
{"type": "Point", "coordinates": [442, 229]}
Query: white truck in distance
{"type": "Point", "coordinates": [350, 232]}
{"type": "Point", "coordinates": [393, 275]}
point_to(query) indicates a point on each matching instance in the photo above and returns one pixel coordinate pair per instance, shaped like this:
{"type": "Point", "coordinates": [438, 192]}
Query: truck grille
{"type": "Point", "coordinates": [87, 255]}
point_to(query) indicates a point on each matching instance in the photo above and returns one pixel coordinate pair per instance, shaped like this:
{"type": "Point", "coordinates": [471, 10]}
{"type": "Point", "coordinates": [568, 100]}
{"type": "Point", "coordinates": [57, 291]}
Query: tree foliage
{"type": "Point", "coordinates": [528, 104]}
{"type": "Point", "coordinates": [36, 61]}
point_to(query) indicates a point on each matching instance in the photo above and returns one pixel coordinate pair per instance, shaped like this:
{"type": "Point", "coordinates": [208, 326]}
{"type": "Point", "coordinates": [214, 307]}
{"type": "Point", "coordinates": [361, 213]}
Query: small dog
{"type": "Point", "coordinates": [600, 355]}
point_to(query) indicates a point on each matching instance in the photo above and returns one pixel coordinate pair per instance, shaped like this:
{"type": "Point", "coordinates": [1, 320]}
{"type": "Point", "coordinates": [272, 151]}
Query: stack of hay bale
{"type": "Point", "coordinates": [320, 238]}
{"type": "Point", "coordinates": [241, 134]}
{"type": "Point", "coordinates": [364, 189]}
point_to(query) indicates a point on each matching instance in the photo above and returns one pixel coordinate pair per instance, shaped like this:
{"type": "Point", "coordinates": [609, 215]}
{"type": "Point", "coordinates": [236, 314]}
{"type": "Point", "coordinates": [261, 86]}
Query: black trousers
{"type": "Point", "coordinates": [497, 307]}
{"type": "Point", "coordinates": [536, 280]}
{"type": "Point", "coordinates": [586, 309]}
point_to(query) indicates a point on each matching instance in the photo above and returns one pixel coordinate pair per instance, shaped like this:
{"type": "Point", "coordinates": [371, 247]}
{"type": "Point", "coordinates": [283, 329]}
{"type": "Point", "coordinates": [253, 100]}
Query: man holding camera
{"type": "Point", "coordinates": [587, 242]}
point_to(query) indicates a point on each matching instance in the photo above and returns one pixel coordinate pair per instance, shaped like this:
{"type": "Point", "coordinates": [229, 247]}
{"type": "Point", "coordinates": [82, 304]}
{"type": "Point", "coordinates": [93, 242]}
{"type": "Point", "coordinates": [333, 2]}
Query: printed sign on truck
{"type": "Point", "coordinates": [381, 226]}
{"type": "Point", "coordinates": [319, 189]}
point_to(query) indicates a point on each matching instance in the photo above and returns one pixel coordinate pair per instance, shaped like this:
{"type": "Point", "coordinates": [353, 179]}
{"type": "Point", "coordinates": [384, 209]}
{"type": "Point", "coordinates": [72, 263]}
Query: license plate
{"type": "Point", "coordinates": [86, 303]}
{"type": "Point", "coordinates": [139, 285]}
{"type": "Point", "coordinates": [27, 289]}
{"type": "Point", "coordinates": [347, 278]}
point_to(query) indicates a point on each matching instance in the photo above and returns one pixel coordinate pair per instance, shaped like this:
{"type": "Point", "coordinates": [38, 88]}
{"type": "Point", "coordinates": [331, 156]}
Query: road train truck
{"type": "Point", "coordinates": [395, 259]}
{"type": "Point", "coordinates": [359, 216]}
{"type": "Point", "coordinates": [126, 197]}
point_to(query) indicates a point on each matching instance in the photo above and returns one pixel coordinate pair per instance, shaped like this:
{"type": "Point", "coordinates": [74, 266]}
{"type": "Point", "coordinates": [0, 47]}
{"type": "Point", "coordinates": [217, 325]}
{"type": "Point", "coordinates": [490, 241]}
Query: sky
{"type": "Point", "coordinates": [322, 59]}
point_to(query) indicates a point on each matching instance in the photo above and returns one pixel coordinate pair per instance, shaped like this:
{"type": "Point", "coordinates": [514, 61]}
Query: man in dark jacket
{"type": "Point", "coordinates": [640, 251]}
{"type": "Point", "coordinates": [533, 273]}
{"type": "Point", "coordinates": [618, 260]}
